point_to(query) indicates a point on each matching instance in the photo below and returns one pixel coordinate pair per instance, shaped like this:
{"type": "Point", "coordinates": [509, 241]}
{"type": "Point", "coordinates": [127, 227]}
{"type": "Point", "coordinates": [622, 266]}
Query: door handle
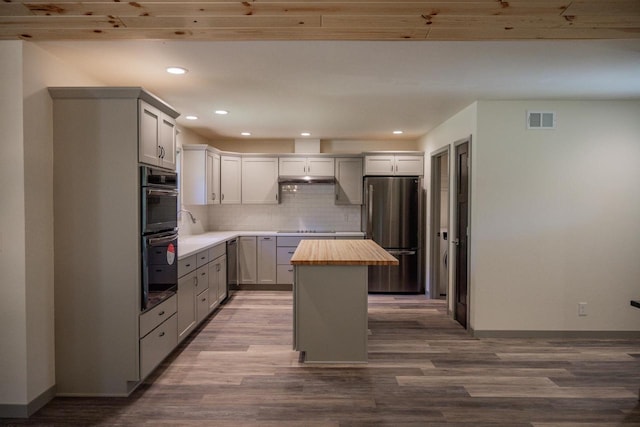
{"type": "Point", "coordinates": [370, 213]}
{"type": "Point", "coordinates": [456, 242]}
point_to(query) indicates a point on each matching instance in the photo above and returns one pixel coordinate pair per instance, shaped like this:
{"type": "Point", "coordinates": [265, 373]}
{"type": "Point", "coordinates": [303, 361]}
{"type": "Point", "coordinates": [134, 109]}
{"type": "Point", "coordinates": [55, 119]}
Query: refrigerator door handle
{"type": "Point", "coordinates": [370, 212]}
{"type": "Point", "coordinates": [401, 252]}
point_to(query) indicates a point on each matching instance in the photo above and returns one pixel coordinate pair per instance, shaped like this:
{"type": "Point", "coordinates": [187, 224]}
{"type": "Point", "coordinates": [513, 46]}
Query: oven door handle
{"type": "Point", "coordinates": [159, 192]}
{"type": "Point", "coordinates": [157, 241]}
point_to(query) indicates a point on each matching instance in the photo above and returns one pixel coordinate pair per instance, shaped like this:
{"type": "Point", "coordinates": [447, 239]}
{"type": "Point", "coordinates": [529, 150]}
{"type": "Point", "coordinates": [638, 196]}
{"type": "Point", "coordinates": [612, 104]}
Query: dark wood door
{"type": "Point", "coordinates": [462, 214]}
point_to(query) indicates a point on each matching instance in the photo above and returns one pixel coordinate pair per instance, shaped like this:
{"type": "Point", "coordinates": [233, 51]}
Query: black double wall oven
{"type": "Point", "coordinates": [159, 226]}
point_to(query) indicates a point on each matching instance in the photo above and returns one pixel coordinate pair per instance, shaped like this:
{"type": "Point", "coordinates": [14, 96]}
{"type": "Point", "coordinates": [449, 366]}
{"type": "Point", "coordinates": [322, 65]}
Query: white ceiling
{"type": "Point", "coordinates": [353, 90]}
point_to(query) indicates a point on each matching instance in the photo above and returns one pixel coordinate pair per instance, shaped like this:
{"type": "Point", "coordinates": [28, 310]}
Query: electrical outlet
{"type": "Point", "coordinates": [582, 309]}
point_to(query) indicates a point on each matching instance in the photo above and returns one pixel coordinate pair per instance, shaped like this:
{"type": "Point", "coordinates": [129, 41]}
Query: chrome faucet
{"type": "Point", "coordinates": [193, 219]}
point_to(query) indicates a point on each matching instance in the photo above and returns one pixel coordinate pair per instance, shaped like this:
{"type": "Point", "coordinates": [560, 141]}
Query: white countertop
{"type": "Point", "coordinates": [191, 244]}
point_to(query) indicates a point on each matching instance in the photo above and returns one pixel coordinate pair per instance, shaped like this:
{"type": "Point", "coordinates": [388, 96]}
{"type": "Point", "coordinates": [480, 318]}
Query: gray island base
{"type": "Point", "coordinates": [330, 298]}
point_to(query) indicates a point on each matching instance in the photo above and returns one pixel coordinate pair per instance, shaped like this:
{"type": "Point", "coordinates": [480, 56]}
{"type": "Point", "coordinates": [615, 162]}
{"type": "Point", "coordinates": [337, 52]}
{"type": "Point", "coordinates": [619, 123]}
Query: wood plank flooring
{"type": "Point", "coordinates": [423, 370]}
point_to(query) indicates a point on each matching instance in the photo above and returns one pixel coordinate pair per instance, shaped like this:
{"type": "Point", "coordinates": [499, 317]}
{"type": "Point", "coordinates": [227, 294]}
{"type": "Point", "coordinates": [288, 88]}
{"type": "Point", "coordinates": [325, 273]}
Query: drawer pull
{"type": "Point", "coordinates": [161, 313]}
{"type": "Point", "coordinates": [203, 299]}
{"type": "Point", "coordinates": [161, 334]}
{"type": "Point", "coordinates": [290, 252]}
{"type": "Point", "coordinates": [187, 265]}
{"type": "Point", "coordinates": [203, 274]}
{"type": "Point", "coordinates": [290, 270]}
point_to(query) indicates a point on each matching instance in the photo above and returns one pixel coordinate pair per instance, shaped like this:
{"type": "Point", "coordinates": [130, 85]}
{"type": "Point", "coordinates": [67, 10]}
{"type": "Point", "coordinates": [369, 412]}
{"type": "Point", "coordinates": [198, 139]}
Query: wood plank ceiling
{"type": "Point", "coordinates": [320, 20]}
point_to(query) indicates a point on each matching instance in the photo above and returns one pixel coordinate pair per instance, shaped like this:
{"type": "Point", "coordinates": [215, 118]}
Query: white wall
{"type": "Point", "coordinates": [556, 217]}
{"type": "Point", "coordinates": [13, 317]}
{"type": "Point", "coordinates": [460, 126]}
{"type": "Point", "coordinates": [28, 216]}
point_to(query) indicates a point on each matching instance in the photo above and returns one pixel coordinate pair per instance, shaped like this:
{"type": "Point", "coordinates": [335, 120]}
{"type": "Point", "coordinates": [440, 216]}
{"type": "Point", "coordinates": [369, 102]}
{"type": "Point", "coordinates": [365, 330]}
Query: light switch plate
{"type": "Point", "coordinates": [582, 309]}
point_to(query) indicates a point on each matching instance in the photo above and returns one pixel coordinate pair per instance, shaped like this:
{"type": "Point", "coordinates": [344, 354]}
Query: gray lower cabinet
{"type": "Point", "coordinates": [285, 247]}
{"type": "Point", "coordinates": [193, 292]}
{"type": "Point", "coordinates": [186, 304]}
{"type": "Point", "coordinates": [157, 345]}
{"type": "Point", "coordinates": [284, 269]}
{"type": "Point", "coordinates": [266, 259]}
{"type": "Point", "coordinates": [159, 334]}
{"type": "Point", "coordinates": [247, 260]}
{"type": "Point", "coordinates": [217, 281]}
{"type": "Point", "coordinates": [202, 285]}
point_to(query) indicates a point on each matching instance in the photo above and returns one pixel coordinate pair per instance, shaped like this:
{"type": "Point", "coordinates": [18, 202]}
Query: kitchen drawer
{"type": "Point", "coordinates": [294, 240]}
{"type": "Point", "coordinates": [186, 265]}
{"type": "Point", "coordinates": [202, 273]}
{"type": "Point", "coordinates": [284, 254]}
{"type": "Point", "coordinates": [157, 345]}
{"type": "Point", "coordinates": [202, 305]}
{"type": "Point", "coordinates": [217, 251]}
{"type": "Point", "coordinates": [202, 258]}
{"type": "Point", "coordinates": [158, 314]}
{"type": "Point", "coordinates": [284, 274]}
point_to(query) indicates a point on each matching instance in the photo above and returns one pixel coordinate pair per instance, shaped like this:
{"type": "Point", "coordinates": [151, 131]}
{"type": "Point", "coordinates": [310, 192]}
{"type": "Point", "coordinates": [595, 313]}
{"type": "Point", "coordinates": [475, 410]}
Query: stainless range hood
{"type": "Point", "coordinates": [296, 180]}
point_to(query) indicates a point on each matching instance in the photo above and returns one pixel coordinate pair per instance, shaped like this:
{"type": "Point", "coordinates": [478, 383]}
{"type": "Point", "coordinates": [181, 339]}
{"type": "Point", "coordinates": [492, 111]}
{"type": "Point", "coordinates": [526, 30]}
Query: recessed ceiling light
{"type": "Point", "coordinates": [246, 134]}
{"type": "Point", "coordinates": [222, 112]}
{"type": "Point", "coordinates": [191, 117]}
{"type": "Point", "coordinates": [398, 132]}
{"type": "Point", "coordinates": [176, 70]}
{"type": "Point", "coordinates": [305, 134]}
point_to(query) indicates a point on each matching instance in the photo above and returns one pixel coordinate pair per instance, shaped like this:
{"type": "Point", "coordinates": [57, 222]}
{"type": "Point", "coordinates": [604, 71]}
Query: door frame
{"type": "Point", "coordinates": [434, 243]}
{"type": "Point", "coordinates": [454, 214]}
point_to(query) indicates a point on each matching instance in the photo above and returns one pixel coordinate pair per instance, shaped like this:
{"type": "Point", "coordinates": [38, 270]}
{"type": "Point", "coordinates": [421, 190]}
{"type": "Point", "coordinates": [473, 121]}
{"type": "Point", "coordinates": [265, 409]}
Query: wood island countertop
{"type": "Point", "coordinates": [341, 252]}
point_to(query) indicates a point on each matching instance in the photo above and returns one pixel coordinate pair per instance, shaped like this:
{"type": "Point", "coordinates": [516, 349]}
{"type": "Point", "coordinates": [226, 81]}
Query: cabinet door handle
{"type": "Point", "coordinates": [195, 281]}
{"type": "Point", "coordinates": [203, 299]}
{"type": "Point", "coordinates": [290, 270]}
{"type": "Point", "coordinates": [213, 196]}
{"type": "Point", "coordinates": [391, 168]}
{"type": "Point", "coordinates": [161, 334]}
{"type": "Point", "coordinates": [222, 196]}
{"type": "Point", "coordinates": [218, 267]}
{"type": "Point", "coordinates": [161, 313]}
{"type": "Point", "coordinates": [396, 168]}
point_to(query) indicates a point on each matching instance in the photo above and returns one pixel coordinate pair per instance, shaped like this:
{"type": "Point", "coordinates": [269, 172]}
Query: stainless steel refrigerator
{"type": "Point", "coordinates": [392, 217]}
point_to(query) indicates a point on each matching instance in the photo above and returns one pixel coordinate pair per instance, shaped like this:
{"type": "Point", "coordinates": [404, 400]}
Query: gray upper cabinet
{"type": "Point", "coordinates": [349, 181]}
{"type": "Point", "coordinates": [390, 164]}
{"type": "Point", "coordinates": [200, 175]}
{"type": "Point", "coordinates": [259, 180]}
{"type": "Point", "coordinates": [157, 139]}
{"type": "Point", "coordinates": [311, 166]}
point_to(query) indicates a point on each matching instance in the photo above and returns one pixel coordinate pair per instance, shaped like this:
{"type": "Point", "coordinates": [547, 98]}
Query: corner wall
{"type": "Point", "coordinates": [13, 315]}
{"type": "Point", "coordinates": [556, 217]}
{"type": "Point", "coordinates": [27, 164]}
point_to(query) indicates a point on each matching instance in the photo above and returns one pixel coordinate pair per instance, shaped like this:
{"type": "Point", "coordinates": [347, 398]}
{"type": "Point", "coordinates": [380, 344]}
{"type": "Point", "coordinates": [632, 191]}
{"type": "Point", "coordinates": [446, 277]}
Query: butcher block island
{"type": "Point", "coordinates": [330, 298]}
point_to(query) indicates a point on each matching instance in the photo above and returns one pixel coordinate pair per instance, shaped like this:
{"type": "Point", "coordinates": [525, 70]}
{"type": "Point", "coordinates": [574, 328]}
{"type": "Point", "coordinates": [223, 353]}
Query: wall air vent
{"type": "Point", "coordinates": [541, 120]}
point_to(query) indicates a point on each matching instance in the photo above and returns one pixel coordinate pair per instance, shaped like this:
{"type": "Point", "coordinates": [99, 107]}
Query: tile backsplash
{"type": "Point", "coordinates": [301, 207]}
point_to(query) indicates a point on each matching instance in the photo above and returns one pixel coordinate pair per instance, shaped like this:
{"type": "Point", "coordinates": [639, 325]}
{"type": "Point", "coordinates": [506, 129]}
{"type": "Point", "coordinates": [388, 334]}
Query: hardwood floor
{"type": "Point", "coordinates": [423, 370]}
